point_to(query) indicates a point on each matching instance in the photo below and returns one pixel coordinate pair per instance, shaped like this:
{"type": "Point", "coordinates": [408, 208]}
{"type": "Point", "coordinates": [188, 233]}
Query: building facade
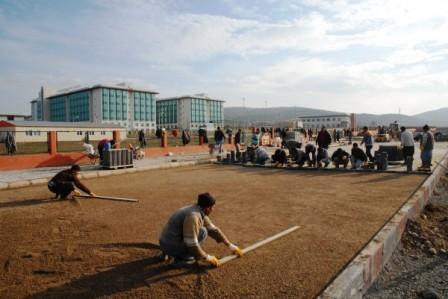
{"type": "Point", "coordinates": [335, 121]}
{"type": "Point", "coordinates": [37, 131]}
{"type": "Point", "coordinates": [100, 104]}
{"type": "Point", "coordinates": [14, 117]}
{"type": "Point", "coordinates": [190, 113]}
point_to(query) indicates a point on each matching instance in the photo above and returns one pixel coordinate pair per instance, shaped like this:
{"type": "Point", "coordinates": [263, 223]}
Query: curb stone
{"type": "Point", "coordinates": [105, 173]}
{"type": "Point", "coordinates": [363, 270]}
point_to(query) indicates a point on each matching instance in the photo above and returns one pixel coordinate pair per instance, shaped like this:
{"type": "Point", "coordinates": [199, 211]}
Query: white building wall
{"type": "Point", "coordinates": [96, 105]}
{"type": "Point", "coordinates": [184, 117]}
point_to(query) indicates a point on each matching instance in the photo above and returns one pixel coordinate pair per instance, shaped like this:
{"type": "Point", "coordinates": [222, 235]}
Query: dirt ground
{"type": "Point", "coordinates": [109, 249]}
{"type": "Point", "coordinates": [419, 266]}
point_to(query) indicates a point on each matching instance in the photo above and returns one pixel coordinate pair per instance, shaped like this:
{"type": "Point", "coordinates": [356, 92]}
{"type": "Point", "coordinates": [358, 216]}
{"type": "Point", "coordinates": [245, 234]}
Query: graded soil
{"type": "Point", "coordinates": [97, 248]}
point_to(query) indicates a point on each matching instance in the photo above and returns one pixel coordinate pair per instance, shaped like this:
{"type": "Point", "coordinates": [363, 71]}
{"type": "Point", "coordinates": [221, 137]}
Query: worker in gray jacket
{"type": "Point", "coordinates": [187, 228]}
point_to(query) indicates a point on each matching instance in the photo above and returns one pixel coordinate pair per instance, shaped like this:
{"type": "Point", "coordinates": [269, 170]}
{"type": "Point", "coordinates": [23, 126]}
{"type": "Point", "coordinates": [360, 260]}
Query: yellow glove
{"type": "Point", "coordinates": [236, 250]}
{"type": "Point", "coordinates": [92, 194]}
{"type": "Point", "coordinates": [76, 193]}
{"type": "Point", "coordinates": [212, 260]}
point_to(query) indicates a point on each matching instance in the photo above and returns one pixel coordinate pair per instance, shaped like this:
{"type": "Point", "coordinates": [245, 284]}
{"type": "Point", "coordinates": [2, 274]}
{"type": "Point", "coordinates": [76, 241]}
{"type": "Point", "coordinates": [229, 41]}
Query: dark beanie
{"type": "Point", "coordinates": [205, 200]}
{"type": "Point", "coordinates": [75, 167]}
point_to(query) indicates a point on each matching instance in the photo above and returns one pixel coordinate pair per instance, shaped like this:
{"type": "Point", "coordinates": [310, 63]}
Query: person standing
{"type": "Point", "coordinates": [237, 143]}
{"type": "Point", "coordinates": [188, 227]}
{"type": "Point", "coordinates": [10, 143]}
{"type": "Point", "coordinates": [310, 135]}
{"type": "Point", "coordinates": [407, 144]}
{"type": "Point", "coordinates": [185, 137]}
{"type": "Point", "coordinates": [141, 138]}
{"type": "Point", "coordinates": [219, 140]}
{"type": "Point", "coordinates": [367, 140]}
{"type": "Point", "coordinates": [323, 138]}
{"type": "Point", "coordinates": [426, 147]}
{"type": "Point", "coordinates": [349, 135]}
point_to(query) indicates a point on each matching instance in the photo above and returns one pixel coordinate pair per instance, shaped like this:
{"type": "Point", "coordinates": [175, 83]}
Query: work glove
{"type": "Point", "coordinates": [212, 260]}
{"type": "Point", "coordinates": [76, 193]}
{"type": "Point", "coordinates": [236, 250]}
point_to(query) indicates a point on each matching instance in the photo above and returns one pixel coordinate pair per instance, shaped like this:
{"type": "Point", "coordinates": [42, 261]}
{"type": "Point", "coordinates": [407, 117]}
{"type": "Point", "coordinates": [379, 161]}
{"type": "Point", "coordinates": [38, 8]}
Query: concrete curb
{"type": "Point", "coordinates": [105, 173]}
{"type": "Point", "coordinates": [363, 270]}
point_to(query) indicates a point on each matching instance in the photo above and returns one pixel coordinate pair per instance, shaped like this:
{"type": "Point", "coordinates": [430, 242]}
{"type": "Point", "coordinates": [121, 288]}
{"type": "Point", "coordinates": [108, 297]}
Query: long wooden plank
{"type": "Point", "coordinates": [108, 198]}
{"type": "Point", "coordinates": [258, 244]}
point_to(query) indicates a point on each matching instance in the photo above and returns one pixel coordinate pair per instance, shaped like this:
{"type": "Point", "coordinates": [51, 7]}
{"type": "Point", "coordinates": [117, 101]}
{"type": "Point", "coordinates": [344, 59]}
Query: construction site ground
{"type": "Point", "coordinates": [419, 266]}
{"type": "Point", "coordinates": [98, 248]}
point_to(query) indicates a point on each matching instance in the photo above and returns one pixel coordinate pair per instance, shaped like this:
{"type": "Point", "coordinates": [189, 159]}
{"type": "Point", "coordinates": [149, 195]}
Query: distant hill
{"type": "Point", "coordinates": [439, 115]}
{"type": "Point", "coordinates": [274, 115]}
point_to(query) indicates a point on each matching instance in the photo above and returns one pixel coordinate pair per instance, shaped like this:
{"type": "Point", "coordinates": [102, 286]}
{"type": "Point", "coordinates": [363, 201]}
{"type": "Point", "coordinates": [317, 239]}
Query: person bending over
{"type": "Point", "coordinates": [188, 227]}
{"type": "Point", "coordinates": [65, 181]}
{"type": "Point", "coordinates": [322, 157]}
{"type": "Point", "coordinates": [340, 157]}
{"type": "Point", "coordinates": [310, 150]}
{"type": "Point", "coordinates": [279, 157]}
{"type": "Point", "coordinates": [358, 157]}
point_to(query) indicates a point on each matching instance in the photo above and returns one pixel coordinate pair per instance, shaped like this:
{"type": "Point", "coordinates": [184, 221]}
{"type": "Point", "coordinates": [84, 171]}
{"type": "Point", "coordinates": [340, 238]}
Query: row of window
{"type": "Point", "coordinates": [89, 133]}
{"type": "Point", "coordinates": [114, 104]}
{"type": "Point", "coordinates": [32, 133]}
{"type": "Point", "coordinates": [58, 109]}
{"type": "Point", "coordinates": [79, 106]}
{"type": "Point", "coordinates": [318, 126]}
{"type": "Point", "coordinates": [167, 112]}
{"type": "Point", "coordinates": [322, 119]}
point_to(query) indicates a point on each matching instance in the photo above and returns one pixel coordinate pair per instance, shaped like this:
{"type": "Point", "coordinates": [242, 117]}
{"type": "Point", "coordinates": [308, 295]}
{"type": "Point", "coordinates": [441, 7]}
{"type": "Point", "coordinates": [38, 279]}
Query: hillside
{"type": "Point", "coordinates": [277, 114]}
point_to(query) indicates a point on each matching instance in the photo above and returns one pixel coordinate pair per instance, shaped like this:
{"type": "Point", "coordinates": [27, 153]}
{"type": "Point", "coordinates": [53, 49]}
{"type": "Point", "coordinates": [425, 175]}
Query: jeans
{"type": "Point", "coordinates": [356, 163]}
{"type": "Point", "coordinates": [368, 153]}
{"type": "Point", "coordinates": [179, 249]}
{"type": "Point", "coordinates": [426, 157]}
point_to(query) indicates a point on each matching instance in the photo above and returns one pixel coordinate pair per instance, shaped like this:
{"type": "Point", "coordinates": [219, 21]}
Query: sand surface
{"type": "Point", "coordinates": [102, 248]}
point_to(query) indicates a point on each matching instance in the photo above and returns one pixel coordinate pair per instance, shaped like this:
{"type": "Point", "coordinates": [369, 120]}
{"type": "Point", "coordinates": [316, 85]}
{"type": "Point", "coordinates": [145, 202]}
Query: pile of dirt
{"type": "Point", "coordinates": [419, 266]}
{"type": "Point", "coordinates": [429, 234]}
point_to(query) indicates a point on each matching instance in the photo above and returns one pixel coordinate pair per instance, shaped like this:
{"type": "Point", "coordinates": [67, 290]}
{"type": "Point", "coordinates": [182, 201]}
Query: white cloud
{"type": "Point", "coordinates": [157, 42]}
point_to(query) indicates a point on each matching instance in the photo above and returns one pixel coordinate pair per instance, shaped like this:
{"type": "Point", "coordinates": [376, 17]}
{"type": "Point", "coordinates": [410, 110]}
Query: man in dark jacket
{"type": "Point", "coordinates": [340, 157]}
{"type": "Point", "coordinates": [323, 139]}
{"type": "Point", "coordinates": [310, 149]}
{"type": "Point", "coordinates": [219, 139]}
{"type": "Point", "coordinates": [64, 183]}
{"type": "Point", "coordinates": [279, 157]}
{"type": "Point", "coordinates": [358, 157]}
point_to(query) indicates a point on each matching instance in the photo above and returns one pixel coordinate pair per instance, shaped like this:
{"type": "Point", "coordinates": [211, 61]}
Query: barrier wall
{"type": "Point", "coordinates": [17, 162]}
{"type": "Point", "coordinates": [358, 276]}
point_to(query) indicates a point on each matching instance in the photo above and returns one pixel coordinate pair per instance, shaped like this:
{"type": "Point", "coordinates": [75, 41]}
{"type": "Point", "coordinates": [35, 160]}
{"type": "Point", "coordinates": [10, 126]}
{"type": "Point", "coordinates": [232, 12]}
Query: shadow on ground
{"type": "Point", "coordinates": [27, 202]}
{"type": "Point", "coordinates": [122, 277]}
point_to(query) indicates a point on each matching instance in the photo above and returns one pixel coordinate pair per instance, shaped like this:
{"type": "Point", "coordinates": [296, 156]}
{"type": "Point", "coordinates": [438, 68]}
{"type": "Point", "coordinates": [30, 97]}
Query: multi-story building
{"type": "Point", "coordinates": [334, 121]}
{"type": "Point", "coordinates": [190, 112]}
{"type": "Point", "coordinates": [100, 104]}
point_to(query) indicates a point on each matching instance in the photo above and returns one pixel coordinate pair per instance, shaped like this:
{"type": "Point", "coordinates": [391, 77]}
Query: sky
{"type": "Point", "coordinates": [352, 56]}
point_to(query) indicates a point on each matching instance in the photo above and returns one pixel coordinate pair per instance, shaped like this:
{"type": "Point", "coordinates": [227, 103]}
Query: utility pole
{"type": "Point", "coordinates": [244, 110]}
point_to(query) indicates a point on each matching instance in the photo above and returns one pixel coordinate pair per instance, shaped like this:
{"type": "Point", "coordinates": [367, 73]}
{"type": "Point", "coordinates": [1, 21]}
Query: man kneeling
{"type": "Point", "coordinates": [340, 157]}
{"type": "Point", "coordinates": [65, 181]}
{"type": "Point", "coordinates": [188, 227]}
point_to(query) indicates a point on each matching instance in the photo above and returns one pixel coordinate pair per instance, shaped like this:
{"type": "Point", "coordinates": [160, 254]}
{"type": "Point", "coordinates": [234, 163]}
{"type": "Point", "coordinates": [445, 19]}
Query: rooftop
{"type": "Point", "coordinates": [55, 124]}
{"type": "Point", "coordinates": [79, 89]}
{"type": "Point", "coordinates": [328, 115]}
{"type": "Point", "coordinates": [195, 96]}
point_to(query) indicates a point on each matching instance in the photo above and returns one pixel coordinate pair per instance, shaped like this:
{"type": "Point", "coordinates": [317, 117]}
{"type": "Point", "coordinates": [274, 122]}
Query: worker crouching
{"type": "Point", "coordinates": [187, 228]}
